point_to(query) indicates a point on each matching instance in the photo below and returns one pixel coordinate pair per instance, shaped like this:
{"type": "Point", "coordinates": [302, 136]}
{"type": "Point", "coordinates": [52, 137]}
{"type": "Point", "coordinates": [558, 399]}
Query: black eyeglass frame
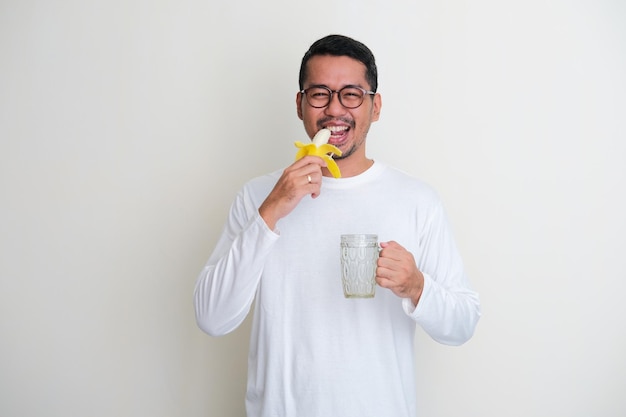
{"type": "Point", "coordinates": [330, 97]}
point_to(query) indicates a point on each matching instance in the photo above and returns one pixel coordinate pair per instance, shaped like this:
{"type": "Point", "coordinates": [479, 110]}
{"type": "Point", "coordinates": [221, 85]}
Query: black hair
{"type": "Point", "coordinates": [339, 45]}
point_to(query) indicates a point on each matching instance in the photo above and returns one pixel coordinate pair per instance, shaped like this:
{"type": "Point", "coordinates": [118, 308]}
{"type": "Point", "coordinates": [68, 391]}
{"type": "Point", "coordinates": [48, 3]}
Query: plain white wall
{"type": "Point", "coordinates": [127, 127]}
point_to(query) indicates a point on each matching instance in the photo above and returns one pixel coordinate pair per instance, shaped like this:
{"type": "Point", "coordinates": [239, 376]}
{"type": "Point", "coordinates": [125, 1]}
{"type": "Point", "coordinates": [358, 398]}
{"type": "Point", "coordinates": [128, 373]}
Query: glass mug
{"type": "Point", "coordinates": [359, 257]}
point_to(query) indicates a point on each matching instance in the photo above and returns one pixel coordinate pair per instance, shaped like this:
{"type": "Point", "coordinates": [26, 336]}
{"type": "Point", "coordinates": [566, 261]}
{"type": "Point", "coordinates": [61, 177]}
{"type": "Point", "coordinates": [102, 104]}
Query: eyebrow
{"type": "Point", "coordinates": [347, 85]}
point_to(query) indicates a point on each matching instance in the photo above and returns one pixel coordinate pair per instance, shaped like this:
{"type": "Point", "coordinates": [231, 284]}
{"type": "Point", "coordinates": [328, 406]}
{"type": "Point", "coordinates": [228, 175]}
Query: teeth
{"type": "Point", "coordinates": [336, 129]}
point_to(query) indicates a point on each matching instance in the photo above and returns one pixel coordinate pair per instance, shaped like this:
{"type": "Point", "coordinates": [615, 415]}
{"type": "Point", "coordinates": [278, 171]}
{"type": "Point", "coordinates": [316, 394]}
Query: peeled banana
{"type": "Point", "coordinates": [320, 147]}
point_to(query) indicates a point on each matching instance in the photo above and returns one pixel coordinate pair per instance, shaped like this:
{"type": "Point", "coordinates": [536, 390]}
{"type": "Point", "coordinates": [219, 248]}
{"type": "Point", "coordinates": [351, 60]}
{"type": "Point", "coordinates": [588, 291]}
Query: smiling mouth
{"type": "Point", "coordinates": [337, 133]}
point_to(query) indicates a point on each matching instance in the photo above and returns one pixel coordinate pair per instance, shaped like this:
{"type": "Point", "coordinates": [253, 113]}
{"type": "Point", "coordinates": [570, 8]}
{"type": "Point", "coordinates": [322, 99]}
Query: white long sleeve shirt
{"type": "Point", "coordinates": [314, 353]}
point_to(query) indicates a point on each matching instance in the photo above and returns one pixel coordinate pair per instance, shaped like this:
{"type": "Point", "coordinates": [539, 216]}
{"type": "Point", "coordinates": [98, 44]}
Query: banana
{"type": "Point", "coordinates": [320, 147]}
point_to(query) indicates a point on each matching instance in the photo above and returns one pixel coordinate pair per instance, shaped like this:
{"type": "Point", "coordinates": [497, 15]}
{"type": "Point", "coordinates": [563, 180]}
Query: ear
{"type": "Point", "coordinates": [299, 104]}
{"type": "Point", "coordinates": [377, 105]}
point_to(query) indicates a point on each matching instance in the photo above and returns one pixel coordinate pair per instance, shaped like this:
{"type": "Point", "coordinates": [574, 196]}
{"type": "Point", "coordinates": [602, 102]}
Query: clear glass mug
{"type": "Point", "coordinates": [359, 257]}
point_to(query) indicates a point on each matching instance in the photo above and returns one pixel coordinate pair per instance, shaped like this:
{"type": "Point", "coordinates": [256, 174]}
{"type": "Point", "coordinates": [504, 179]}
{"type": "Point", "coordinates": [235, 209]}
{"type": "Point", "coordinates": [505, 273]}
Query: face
{"type": "Point", "coordinates": [349, 127]}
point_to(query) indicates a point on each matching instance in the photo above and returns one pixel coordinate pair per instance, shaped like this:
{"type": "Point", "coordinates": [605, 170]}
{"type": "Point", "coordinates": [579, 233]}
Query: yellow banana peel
{"type": "Point", "coordinates": [320, 147]}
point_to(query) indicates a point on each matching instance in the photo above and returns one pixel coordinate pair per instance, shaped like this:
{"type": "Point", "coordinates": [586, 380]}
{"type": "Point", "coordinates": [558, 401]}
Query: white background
{"type": "Point", "coordinates": [128, 126]}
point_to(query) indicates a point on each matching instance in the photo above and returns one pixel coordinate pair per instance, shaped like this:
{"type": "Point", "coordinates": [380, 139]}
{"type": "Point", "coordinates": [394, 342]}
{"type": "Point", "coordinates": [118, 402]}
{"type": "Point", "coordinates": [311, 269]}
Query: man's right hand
{"type": "Point", "coordinates": [291, 187]}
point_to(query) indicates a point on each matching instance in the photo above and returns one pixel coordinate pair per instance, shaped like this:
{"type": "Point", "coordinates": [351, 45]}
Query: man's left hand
{"type": "Point", "coordinates": [398, 272]}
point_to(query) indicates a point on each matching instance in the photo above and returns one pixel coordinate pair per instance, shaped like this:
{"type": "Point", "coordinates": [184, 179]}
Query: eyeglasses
{"type": "Point", "coordinates": [350, 96]}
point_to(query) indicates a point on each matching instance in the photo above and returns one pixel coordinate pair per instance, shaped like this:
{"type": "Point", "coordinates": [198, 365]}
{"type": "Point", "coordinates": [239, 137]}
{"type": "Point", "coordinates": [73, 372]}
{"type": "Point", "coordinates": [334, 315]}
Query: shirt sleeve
{"type": "Point", "coordinates": [226, 287]}
{"type": "Point", "coordinates": [448, 309]}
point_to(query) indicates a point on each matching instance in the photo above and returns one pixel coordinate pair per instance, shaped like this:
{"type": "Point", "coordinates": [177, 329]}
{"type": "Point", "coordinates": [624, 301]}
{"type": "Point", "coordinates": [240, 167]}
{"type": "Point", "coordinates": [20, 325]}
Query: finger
{"type": "Point", "coordinates": [385, 268]}
{"type": "Point", "coordinates": [311, 177]}
{"type": "Point", "coordinates": [394, 264]}
{"type": "Point", "coordinates": [393, 250]}
{"type": "Point", "coordinates": [314, 187]}
{"type": "Point", "coordinates": [305, 173]}
{"type": "Point", "coordinates": [392, 254]}
{"type": "Point", "coordinates": [392, 244]}
{"type": "Point", "coordinates": [312, 183]}
{"type": "Point", "coordinates": [385, 282]}
{"type": "Point", "coordinates": [309, 160]}
{"type": "Point", "coordinates": [314, 177]}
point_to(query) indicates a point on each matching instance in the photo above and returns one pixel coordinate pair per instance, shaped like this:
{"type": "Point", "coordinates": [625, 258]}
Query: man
{"type": "Point", "coordinates": [312, 351]}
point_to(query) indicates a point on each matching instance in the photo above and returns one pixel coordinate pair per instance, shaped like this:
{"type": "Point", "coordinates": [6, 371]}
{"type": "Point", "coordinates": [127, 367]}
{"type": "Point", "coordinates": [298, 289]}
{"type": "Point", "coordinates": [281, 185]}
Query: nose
{"type": "Point", "coordinates": [335, 107]}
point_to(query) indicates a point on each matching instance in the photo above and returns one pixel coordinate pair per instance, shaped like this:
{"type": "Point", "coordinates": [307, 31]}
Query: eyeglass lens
{"type": "Point", "coordinates": [350, 97]}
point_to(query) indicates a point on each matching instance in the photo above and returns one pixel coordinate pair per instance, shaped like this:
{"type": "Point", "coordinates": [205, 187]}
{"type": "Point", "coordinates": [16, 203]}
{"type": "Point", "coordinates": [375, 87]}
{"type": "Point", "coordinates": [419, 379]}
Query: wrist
{"type": "Point", "coordinates": [417, 292]}
{"type": "Point", "coordinates": [267, 218]}
{"type": "Point", "coordinates": [416, 298]}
